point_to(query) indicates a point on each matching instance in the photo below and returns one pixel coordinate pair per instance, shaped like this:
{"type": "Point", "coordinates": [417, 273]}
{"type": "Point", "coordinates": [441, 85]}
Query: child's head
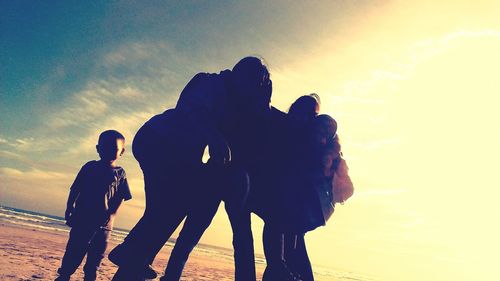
{"type": "Point", "coordinates": [325, 128]}
{"type": "Point", "coordinates": [111, 145]}
{"type": "Point", "coordinates": [305, 108]}
{"type": "Point", "coordinates": [326, 141]}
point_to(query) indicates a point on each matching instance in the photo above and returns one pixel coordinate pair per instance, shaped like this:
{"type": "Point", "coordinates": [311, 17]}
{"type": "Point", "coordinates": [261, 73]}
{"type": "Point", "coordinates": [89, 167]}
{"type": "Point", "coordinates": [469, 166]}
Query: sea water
{"type": "Point", "coordinates": [54, 223]}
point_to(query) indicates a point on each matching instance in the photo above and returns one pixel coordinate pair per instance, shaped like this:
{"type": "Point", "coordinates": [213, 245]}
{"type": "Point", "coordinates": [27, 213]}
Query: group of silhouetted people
{"type": "Point", "coordinates": [285, 167]}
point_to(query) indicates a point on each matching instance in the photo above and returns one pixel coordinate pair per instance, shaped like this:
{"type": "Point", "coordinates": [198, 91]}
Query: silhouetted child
{"type": "Point", "coordinates": [95, 196]}
{"type": "Point", "coordinates": [331, 169]}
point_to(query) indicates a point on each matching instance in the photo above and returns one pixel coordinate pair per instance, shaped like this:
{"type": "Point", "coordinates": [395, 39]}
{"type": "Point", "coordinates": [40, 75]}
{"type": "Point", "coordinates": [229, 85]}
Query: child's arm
{"type": "Point", "coordinates": [113, 208]}
{"type": "Point", "coordinates": [123, 195]}
{"type": "Point", "coordinates": [74, 192]}
{"type": "Point", "coordinates": [70, 205]}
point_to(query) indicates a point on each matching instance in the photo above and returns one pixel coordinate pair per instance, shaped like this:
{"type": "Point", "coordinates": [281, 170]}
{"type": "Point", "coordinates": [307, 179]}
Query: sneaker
{"type": "Point", "coordinates": [62, 278]}
{"type": "Point", "coordinates": [150, 272]}
{"type": "Point", "coordinates": [116, 256]}
{"type": "Point", "coordinates": [281, 272]}
{"type": "Point", "coordinates": [127, 275]}
{"type": "Point", "coordinates": [89, 278]}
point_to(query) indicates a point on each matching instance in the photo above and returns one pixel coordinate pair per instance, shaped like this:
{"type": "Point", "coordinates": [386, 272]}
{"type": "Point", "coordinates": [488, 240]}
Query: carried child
{"type": "Point", "coordinates": [94, 199]}
{"type": "Point", "coordinates": [331, 175]}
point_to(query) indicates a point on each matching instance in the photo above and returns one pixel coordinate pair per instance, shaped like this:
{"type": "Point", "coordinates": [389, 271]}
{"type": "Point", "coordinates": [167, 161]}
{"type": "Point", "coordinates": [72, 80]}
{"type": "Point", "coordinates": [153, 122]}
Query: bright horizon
{"type": "Point", "coordinates": [413, 86]}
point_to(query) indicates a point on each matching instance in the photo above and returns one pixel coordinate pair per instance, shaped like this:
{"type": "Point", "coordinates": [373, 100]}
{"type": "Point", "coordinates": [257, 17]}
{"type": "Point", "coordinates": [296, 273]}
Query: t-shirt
{"type": "Point", "coordinates": [98, 186]}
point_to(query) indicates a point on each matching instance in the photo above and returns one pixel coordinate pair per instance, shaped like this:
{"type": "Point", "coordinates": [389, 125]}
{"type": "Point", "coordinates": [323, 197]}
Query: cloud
{"type": "Point", "coordinates": [33, 174]}
{"type": "Point", "coordinates": [19, 143]}
{"type": "Point", "coordinates": [129, 93]}
{"type": "Point", "coordinates": [9, 154]}
{"type": "Point", "coordinates": [10, 172]}
{"type": "Point", "coordinates": [85, 106]}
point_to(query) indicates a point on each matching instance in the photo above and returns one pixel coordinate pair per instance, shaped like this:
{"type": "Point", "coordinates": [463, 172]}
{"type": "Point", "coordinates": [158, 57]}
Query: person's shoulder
{"type": "Point", "coordinates": [88, 168]}
{"type": "Point", "coordinates": [201, 80]}
{"type": "Point", "coordinates": [90, 164]}
{"type": "Point", "coordinates": [120, 170]}
{"type": "Point", "coordinates": [278, 117]}
{"type": "Point", "coordinates": [204, 76]}
{"type": "Point", "coordinates": [200, 76]}
{"type": "Point", "coordinates": [277, 114]}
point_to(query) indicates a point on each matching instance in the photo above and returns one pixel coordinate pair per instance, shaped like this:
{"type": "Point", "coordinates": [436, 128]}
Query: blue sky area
{"type": "Point", "coordinates": [413, 86]}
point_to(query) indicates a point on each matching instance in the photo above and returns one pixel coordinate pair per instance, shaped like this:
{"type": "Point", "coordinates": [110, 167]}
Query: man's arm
{"type": "Point", "coordinates": [198, 100]}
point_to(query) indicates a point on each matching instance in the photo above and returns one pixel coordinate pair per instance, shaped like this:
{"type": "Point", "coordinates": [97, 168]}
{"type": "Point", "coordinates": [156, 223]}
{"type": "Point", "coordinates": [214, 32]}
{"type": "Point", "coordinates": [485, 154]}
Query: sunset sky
{"type": "Point", "coordinates": [413, 85]}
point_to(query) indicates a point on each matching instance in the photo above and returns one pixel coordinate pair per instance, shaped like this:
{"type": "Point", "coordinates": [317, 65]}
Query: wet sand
{"type": "Point", "coordinates": [27, 253]}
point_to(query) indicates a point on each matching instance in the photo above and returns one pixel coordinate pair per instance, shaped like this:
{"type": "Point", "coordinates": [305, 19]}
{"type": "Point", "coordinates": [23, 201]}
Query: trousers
{"type": "Point", "coordinates": [84, 240]}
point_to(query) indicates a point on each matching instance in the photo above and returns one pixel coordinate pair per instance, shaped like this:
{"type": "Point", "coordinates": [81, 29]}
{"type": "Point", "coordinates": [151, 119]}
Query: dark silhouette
{"type": "Point", "coordinates": [233, 189]}
{"type": "Point", "coordinates": [316, 197]}
{"type": "Point", "coordinates": [95, 196]}
{"type": "Point", "coordinates": [169, 149]}
{"type": "Point", "coordinates": [305, 198]}
{"type": "Point", "coordinates": [255, 150]}
{"type": "Point", "coordinates": [289, 192]}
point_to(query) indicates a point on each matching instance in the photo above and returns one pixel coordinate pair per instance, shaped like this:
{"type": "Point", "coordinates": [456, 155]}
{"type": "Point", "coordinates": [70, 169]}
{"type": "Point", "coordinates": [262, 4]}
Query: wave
{"type": "Point", "coordinates": [55, 223]}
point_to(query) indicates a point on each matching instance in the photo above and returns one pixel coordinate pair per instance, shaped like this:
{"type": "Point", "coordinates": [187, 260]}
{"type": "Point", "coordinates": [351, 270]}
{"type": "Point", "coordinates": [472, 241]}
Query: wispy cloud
{"type": "Point", "coordinates": [33, 174]}
{"type": "Point", "coordinates": [18, 143]}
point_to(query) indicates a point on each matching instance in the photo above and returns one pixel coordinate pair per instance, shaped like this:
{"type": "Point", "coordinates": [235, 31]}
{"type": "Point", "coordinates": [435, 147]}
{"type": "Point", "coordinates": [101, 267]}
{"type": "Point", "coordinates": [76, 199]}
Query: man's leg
{"type": "Point", "coordinates": [244, 257]}
{"type": "Point", "coordinates": [235, 195]}
{"type": "Point", "coordinates": [297, 257]}
{"type": "Point", "coordinates": [273, 250]}
{"type": "Point", "coordinates": [148, 236]}
{"type": "Point", "coordinates": [76, 249]}
{"type": "Point", "coordinates": [197, 221]}
{"type": "Point", "coordinates": [95, 254]}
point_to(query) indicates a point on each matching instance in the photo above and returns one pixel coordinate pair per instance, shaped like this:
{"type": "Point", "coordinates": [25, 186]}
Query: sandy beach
{"type": "Point", "coordinates": [28, 253]}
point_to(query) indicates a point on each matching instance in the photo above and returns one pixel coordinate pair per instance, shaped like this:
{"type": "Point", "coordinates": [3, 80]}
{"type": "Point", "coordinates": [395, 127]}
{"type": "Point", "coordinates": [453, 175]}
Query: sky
{"type": "Point", "coordinates": [413, 86]}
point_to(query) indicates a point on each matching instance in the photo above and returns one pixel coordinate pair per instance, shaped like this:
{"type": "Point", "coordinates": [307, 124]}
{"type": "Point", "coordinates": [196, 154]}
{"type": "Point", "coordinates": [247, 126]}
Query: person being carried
{"type": "Point", "coordinates": [94, 199]}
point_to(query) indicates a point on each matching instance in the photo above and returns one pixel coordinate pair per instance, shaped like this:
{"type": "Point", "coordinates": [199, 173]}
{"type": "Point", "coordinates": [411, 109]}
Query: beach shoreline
{"type": "Point", "coordinates": [32, 245]}
{"type": "Point", "coordinates": [29, 253]}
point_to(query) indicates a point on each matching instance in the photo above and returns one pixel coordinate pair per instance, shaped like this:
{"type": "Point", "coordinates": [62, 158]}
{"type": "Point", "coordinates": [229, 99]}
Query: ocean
{"type": "Point", "coordinates": [54, 223]}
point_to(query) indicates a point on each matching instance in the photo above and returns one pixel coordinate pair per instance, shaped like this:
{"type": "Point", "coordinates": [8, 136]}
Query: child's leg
{"type": "Point", "coordinates": [95, 254]}
{"type": "Point", "coordinates": [76, 249]}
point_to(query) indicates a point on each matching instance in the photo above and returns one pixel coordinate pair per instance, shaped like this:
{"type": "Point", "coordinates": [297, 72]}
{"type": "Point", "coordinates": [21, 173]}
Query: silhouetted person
{"type": "Point", "coordinates": [231, 185]}
{"type": "Point", "coordinates": [286, 185]}
{"type": "Point", "coordinates": [254, 143]}
{"type": "Point", "coordinates": [169, 149]}
{"type": "Point", "coordinates": [95, 196]}
{"type": "Point", "coordinates": [314, 200]}
{"type": "Point", "coordinates": [307, 191]}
